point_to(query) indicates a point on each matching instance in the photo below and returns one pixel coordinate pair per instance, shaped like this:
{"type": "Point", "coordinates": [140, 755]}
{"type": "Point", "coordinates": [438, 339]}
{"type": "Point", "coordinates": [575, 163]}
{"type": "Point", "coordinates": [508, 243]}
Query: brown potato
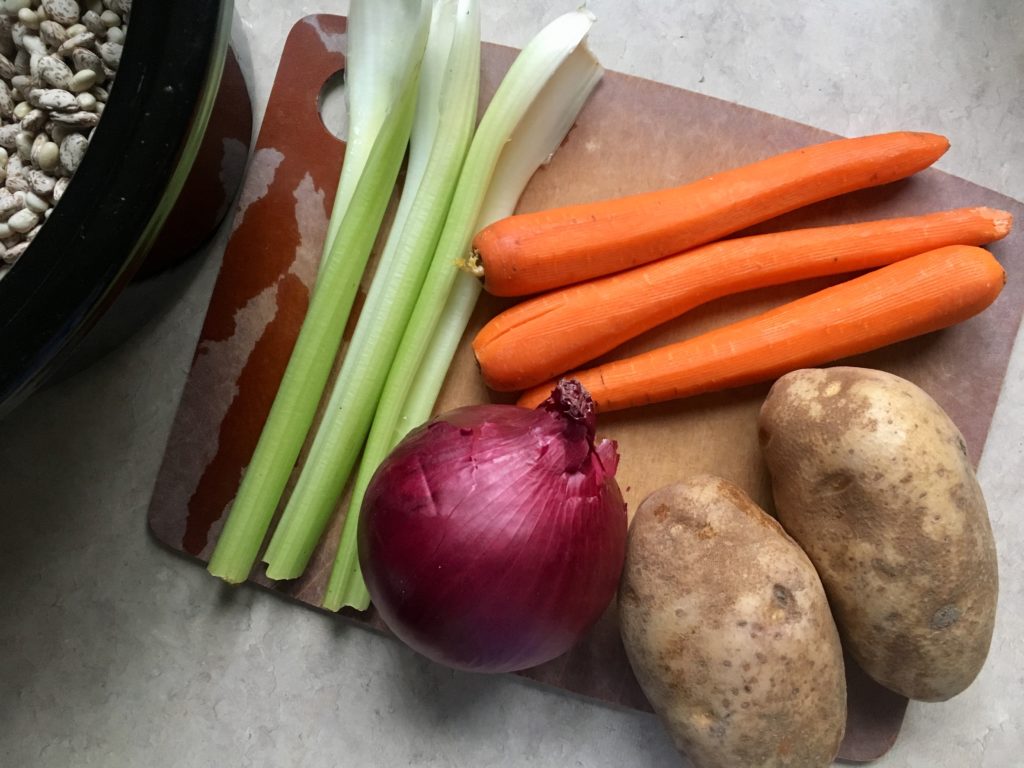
{"type": "Point", "coordinates": [873, 479]}
{"type": "Point", "coordinates": [728, 630]}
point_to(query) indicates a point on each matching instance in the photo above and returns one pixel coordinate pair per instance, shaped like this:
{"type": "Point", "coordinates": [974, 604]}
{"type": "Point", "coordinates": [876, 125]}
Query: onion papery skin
{"type": "Point", "coordinates": [493, 537]}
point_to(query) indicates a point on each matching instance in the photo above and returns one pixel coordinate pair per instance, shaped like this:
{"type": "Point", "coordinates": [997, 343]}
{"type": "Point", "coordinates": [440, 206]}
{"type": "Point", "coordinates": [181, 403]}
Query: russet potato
{"type": "Point", "coordinates": [728, 630]}
{"type": "Point", "coordinates": [873, 480]}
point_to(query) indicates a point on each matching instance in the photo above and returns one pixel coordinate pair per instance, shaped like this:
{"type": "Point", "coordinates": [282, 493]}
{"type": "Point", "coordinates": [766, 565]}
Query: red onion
{"type": "Point", "coordinates": [493, 537]}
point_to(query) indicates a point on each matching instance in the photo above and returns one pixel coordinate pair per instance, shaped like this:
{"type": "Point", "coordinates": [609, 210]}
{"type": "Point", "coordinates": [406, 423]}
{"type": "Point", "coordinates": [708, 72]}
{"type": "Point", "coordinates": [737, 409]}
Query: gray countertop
{"type": "Point", "coordinates": [114, 652]}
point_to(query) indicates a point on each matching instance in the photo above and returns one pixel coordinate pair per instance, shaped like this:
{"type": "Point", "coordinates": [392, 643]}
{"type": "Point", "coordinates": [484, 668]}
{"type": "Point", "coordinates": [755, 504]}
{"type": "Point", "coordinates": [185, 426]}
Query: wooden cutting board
{"type": "Point", "coordinates": [633, 135]}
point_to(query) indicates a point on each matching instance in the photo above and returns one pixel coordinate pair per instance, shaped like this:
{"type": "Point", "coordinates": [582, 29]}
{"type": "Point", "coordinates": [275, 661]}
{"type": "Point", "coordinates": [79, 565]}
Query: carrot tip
{"type": "Point", "coordinates": [1002, 221]}
{"type": "Point", "coordinates": [937, 138]}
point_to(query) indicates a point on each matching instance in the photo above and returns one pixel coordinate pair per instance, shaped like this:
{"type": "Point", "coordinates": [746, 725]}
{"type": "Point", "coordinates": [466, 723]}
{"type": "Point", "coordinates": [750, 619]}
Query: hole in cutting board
{"type": "Point", "coordinates": [332, 106]}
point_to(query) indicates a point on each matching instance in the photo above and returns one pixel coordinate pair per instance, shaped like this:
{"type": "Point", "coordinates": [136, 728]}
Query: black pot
{"type": "Point", "coordinates": [138, 160]}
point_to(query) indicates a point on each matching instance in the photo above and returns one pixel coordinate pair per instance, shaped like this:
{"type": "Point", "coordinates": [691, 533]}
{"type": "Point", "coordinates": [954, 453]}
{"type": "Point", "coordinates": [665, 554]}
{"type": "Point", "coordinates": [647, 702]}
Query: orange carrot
{"type": "Point", "coordinates": [542, 337]}
{"type": "Point", "coordinates": [535, 252]}
{"type": "Point", "coordinates": [917, 295]}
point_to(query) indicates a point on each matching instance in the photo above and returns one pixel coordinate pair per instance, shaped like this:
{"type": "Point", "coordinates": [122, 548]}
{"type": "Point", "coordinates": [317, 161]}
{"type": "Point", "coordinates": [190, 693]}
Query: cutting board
{"type": "Point", "coordinates": [633, 135]}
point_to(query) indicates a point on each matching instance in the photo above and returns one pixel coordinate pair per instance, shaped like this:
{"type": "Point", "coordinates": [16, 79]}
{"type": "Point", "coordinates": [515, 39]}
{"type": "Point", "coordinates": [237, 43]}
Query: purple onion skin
{"type": "Point", "coordinates": [493, 537]}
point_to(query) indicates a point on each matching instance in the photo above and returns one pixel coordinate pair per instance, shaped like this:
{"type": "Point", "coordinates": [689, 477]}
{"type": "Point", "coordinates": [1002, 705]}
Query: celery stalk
{"type": "Point", "coordinates": [445, 115]}
{"type": "Point", "coordinates": [374, 77]}
{"type": "Point", "coordinates": [506, 124]}
{"type": "Point", "coordinates": [320, 336]}
{"type": "Point", "coordinates": [533, 145]}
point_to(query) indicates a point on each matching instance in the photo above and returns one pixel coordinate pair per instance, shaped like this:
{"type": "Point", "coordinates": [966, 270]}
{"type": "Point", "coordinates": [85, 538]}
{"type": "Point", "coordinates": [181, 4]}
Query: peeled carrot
{"type": "Point", "coordinates": [535, 252]}
{"type": "Point", "coordinates": [911, 297]}
{"type": "Point", "coordinates": [558, 331]}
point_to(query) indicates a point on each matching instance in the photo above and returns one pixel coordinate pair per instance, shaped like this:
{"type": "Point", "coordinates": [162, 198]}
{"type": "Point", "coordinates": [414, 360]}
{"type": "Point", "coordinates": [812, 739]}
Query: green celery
{"type": "Point", "coordinates": [505, 128]}
{"type": "Point", "coordinates": [445, 116]}
{"type": "Point", "coordinates": [534, 143]}
{"type": "Point", "coordinates": [374, 78]}
{"type": "Point", "coordinates": [317, 345]}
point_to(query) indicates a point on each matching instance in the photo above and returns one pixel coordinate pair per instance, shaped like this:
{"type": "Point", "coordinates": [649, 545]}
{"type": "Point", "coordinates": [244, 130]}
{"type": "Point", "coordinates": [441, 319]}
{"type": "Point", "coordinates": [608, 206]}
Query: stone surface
{"type": "Point", "coordinates": [116, 653]}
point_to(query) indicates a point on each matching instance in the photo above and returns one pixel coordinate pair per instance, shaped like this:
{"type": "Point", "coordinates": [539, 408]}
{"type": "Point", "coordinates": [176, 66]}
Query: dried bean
{"type": "Point", "coordinates": [53, 34]}
{"type": "Point", "coordinates": [6, 101]}
{"type": "Point", "coordinates": [34, 121]}
{"type": "Point", "coordinates": [14, 252]}
{"type": "Point", "coordinates": [37, 146]}
{"type": "Point", "coordinates": [29, 18]}
{"type": "Point", "coordinates": [35, 203]}
{"type": "Point", "coordinates": [23, 143]}
{"type": "Point", "coordinates": [54, 71]}
{"type": "Point", "coordinates": [23, 220]}
{"type": "Point", "coordinates": [48, 157]}
{"type": "Point", "coordinates": [111, 54]}
{"type": "Point", "coordinates": [62, 11]}
{"type": "Point", "coordinates": [82, 81]}
{"type": "Point", "coordinates": [22, 61]}
{"type": "Point", "coordinates": [59, 132]}
{"type": "Point", "coordinates": [94, 23]}
{"type": "Point", "coordinates": [9, 135]}
{"type": "Point", "coordinates": [76, 119]}
{"type": "Point", "coordinates": [41, 183]}
{"type": "Point", "coordinates": [55, 57]}
{"type": "Point", "coordinates": [10, 202]}
{"type": "Point", "coordinates": [84, 39]}
{"type": "Point", "coordinates": [83, 58]}
{"type": "Point", "coordinates": [72, 150]}
{"type": "Point", "coordinates": [22, 84]}
{"type": "Point", "coordinates": [52, 99]}
{"type": "Point", "coordinates": [16, 182]}
{"type": "Point", "coordinates": [60, 187]}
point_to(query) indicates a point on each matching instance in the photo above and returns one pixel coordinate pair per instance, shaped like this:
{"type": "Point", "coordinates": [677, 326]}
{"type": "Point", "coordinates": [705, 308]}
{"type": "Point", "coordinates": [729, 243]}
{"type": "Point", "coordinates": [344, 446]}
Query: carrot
{"type": "Point", "coordinates": [538, 251]}
{"type": "Point", "coordinates": [917, 295]}
{"type": "Point", "coordinates": [558, 331]}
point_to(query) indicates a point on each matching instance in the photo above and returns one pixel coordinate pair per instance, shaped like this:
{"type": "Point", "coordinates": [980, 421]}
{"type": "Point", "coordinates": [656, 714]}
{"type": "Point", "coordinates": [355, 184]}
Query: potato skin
{"type": "Point", "coordinates": [728, 630]}
{"type": "Point", "coordinates": [873, 479]}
